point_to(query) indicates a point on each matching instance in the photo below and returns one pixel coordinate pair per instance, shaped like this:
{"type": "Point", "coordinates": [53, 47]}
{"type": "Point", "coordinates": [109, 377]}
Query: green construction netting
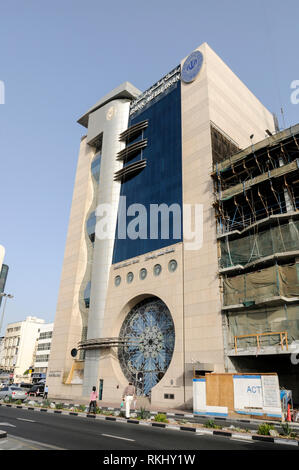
{"type": "Point", "coordinates": [264, 320]}
{"type": "Point", "coordinates": [252, 247]}
{"type": "Point", "coordinates": [262, 284]}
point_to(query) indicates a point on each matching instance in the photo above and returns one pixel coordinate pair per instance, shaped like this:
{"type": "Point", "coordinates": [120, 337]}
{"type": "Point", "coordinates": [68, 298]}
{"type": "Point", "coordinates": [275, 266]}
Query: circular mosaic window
{"type": "Point", "coordinates": [172, 265]}
{"type": "Point", "coordinates": [149, 335]}
{"type": "Point", "coordinates": [130, 277]}
{"type": "Point", "coordinates": [157, 269]}
{"type": "Point", "coordinates": [143, 273]}
{"type": "Point", "coordinates": [117, 280]}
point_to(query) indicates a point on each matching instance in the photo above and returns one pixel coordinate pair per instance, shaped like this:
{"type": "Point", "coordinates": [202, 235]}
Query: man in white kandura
{"type": "Point", "coordinates": [128, 396]}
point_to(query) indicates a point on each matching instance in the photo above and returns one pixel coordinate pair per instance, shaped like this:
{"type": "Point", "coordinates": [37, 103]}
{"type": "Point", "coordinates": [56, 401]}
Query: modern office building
{"type": "Point", "coordinates": [19, 346]}
{"type": "Point", "coordinates": [141, 290]}
{"type": "Point", "coordinates": [42, 352]}
{"type": "Point", "coordinates": [3, 272]}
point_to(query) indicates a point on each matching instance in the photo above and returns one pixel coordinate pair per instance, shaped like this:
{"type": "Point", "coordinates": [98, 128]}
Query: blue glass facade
{"type": "Point", "coordinates": [91, 225]}
{"type": "Point", "coordinates": [3, 277]}
{"type": "Point", "coordinates": [87, 294]}
{"type": "Point", "coordinates": [160, 182]}
{"type": "Point", "coordinates": [96, 166]}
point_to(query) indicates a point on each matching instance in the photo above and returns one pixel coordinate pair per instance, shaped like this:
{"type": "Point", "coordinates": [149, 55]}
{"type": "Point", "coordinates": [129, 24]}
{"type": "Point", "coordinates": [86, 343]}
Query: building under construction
{"type": "Point", "coordinates": [257, 217]}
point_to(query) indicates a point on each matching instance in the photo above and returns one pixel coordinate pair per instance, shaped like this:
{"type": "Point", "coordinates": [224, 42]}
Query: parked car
{"type": "Point", "coordinates": [26, 386]}
{"type": "Point", "coordinates": [15, 393]}
{"type": "Point", "coordinates": [36, 390]}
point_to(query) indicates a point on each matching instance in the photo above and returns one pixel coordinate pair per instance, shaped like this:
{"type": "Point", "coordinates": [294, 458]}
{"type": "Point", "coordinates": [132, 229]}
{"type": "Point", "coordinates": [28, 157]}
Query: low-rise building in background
{"type": "Point", "coordinates": [19, 346]}
{"type": "Point", "coordinates": [42, 353]}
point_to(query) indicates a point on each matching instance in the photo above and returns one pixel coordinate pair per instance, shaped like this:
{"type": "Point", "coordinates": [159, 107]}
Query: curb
{"type": "Point", "coordinates": [198, 431]}
{"type": "Point", "coordinates": [216, 418]}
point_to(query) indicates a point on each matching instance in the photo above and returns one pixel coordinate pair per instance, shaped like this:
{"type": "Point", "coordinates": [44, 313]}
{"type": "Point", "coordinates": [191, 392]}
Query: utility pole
{"type": "Point", "coordinates": [7, 296]}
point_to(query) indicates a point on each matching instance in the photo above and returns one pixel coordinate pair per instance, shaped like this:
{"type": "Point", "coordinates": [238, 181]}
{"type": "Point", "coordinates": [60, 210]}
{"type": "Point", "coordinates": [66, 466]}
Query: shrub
{"type": "Point", "coordinates": [210, 424]}
{"type": "Point", "coordinates": [143, 413]}
{"type": "Point", "coordinates": [264, 429]}
{"type": "Point", "coordinates": [59, 406]}
{"type": "Point", "coordinates": [161, 418]}
{"type": "Point", "coordinates": [286, 429]}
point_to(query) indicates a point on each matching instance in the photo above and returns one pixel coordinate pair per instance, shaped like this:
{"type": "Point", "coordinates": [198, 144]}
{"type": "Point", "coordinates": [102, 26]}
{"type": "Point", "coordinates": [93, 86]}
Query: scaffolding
{"type": "Point", "coordinates": [257, 183]}
{"type": "Point", "coordinates": [262, 285]}
{"type": "Point", "coordinates": [265, 322]}
{"type": "Point", "coordinates": [257, 214]}
{"type": "Point", "coordinates": [283, 335]}
{"type": "Point", "coordinates": [260, 244]}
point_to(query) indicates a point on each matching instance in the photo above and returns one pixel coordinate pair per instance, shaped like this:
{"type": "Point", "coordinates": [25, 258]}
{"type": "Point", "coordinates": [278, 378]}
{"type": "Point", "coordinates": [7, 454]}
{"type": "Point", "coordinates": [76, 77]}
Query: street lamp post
{"type": "Point", "coordinates": [7, 296]}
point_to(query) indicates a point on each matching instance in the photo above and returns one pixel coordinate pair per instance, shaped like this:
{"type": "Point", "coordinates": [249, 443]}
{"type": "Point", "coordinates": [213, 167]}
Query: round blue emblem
{"type": "Point", "coordinates": [192, 66]}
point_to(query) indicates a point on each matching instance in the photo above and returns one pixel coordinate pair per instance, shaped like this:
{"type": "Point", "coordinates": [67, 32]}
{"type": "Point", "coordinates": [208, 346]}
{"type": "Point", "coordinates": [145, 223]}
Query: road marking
{"type": "Point", "coordinates": [285, 442]}
{"type": "Point", "coordinates": [7, 424]}
{"type": "Point", "coordinates": [29, 441]}
{"type": "Point", "coordinates": [29, 420]}
{"type": "Point", "coordinates": [117, 437]}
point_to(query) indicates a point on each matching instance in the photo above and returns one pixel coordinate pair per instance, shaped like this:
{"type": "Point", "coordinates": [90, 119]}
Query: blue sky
{"type": "Point", "coordinates": [58, 58]}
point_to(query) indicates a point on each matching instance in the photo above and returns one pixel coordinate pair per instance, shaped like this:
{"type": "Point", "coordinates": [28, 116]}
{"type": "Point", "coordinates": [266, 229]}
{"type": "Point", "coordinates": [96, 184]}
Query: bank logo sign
{"type": "Point", "coordinates": [192, 66]}
{"type": "Point", "coordinates": [157, 89]}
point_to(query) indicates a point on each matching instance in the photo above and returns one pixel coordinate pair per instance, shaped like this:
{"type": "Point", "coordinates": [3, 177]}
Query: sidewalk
{"type": "Point", "coordinates": [141, 403]}
{"type": "Point", "coordinates": [179, 412]}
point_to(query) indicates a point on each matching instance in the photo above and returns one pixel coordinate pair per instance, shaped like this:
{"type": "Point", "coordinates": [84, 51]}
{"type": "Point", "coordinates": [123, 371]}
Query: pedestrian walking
{"type": "Point", "coordinates": [46, 391]}
{"type": "Point", "coordinates": [128, 396]}
{"type": "Point", "coordinates": [93, 400]}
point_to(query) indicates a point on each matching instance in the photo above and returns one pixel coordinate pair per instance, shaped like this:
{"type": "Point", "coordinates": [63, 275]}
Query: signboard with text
{"type": "Point", "coordinates": [257, 394]}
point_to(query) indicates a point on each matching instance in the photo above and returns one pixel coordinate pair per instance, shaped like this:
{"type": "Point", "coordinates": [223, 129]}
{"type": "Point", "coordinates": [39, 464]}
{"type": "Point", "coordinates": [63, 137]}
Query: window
{"type": "Point", "coordinates": [95, 167]}
{"type": "Point", "coordinates": [130, 277]}
{"type": "Point", "coordinates": [42, 358]}
{"type": "Point", "coordinates": [157, 269]}
{"type": "Point", "coordinates": [87, 294]}
{"type": "Point", "coordinates": [172, 265]}
{"type": "Point", "coordinates": [143, 273]}
{"type": "Point", "coordinates": [43, 347]}
{"type": "Point", "coordinates": [91, 225]}
{"type": "Point", "coordinates": [45, 335]}
{"type": "Point", "coordinates": [117, 281]}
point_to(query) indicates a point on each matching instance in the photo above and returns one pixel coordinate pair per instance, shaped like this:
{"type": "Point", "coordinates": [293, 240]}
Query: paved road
{"type": "Point", "coordinates": [73, 432]}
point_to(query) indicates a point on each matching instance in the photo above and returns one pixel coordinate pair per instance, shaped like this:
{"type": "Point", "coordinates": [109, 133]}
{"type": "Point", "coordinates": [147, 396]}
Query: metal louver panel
{"type": "Point", "coordinates": [133, 130]}
{"type": "Point", "coordinates": [129, 170]}
{"type": "Point", "coordinates": [131, 150]}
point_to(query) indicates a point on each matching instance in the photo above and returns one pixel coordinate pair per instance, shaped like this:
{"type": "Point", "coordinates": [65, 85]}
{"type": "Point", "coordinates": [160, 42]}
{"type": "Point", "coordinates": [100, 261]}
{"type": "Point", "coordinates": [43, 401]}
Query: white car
{"type": "Point", "coordinates": [15, 393]}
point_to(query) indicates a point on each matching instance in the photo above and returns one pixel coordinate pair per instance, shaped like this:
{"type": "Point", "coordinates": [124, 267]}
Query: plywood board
{"type": "Point", "coordinates": [220, 390]}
